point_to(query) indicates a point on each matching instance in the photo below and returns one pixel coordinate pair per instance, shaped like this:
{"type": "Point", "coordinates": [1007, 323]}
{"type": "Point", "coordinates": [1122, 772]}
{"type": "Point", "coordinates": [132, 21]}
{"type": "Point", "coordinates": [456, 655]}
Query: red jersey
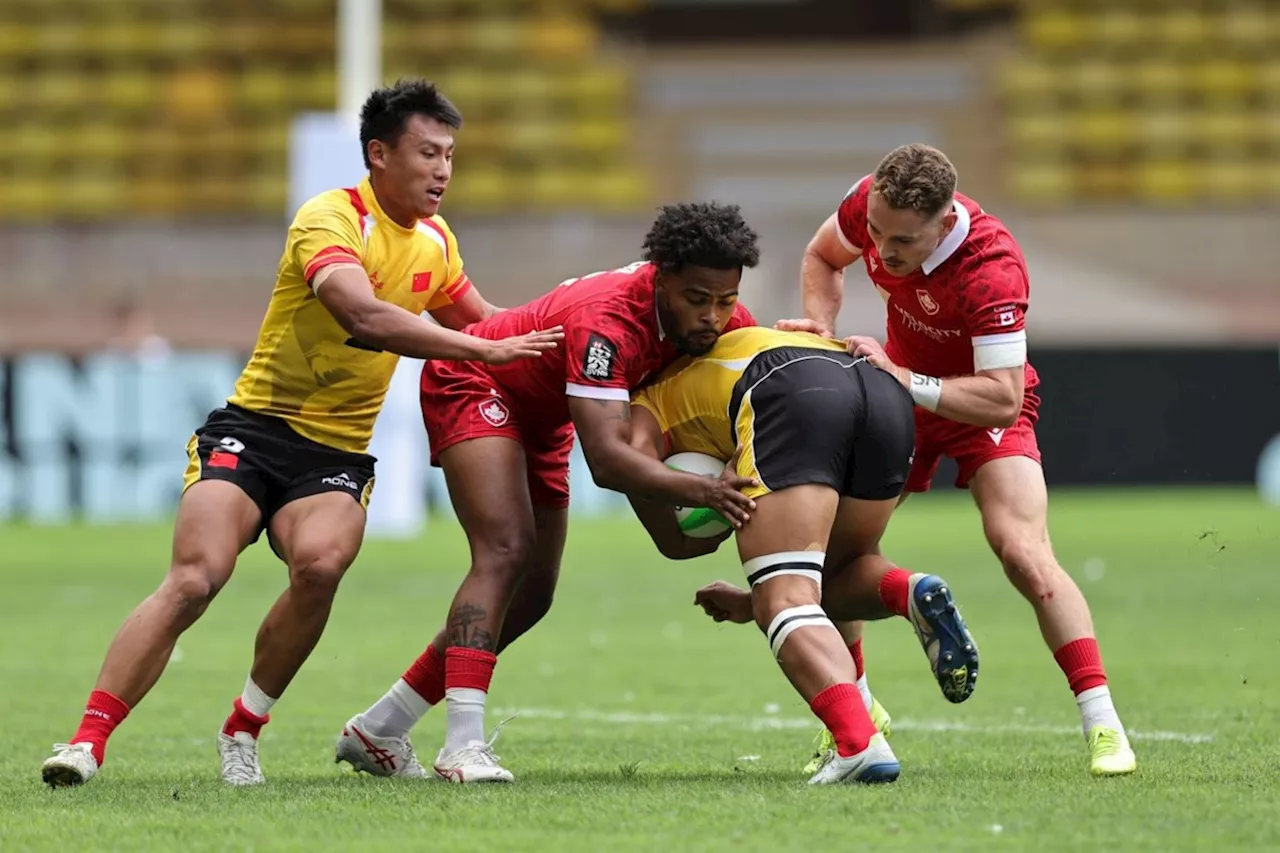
{"type": "Point", "coordinates": [965, 309]}
{"type": "Point", "coordinates": [612, 341]}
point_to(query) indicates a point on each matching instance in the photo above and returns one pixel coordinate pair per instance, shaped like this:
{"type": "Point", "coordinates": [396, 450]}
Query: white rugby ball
{"type": "Point", "coordinates": [699, 522]}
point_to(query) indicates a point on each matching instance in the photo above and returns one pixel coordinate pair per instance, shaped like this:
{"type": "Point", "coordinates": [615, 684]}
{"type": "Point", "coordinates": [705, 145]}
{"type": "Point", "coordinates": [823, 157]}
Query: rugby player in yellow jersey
{"type": "Point", "coordinates": [827, 438]}
{"type": "Point", "coordinates": [287, 452]}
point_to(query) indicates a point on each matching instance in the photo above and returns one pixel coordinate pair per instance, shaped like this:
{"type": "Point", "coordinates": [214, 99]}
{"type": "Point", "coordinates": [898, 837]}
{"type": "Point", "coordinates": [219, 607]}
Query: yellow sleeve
{"type": "Point", "coordinates": [456, 281]}
{"type": "Point", "coordinates": [325, 231]}
{"type": "Point", "coordinates": [649, 400]}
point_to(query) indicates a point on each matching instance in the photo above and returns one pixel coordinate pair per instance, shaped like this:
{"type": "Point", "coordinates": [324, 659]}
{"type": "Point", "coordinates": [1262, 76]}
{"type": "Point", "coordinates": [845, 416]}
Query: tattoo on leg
{"type": "Point", "coordinates": [464, 631]}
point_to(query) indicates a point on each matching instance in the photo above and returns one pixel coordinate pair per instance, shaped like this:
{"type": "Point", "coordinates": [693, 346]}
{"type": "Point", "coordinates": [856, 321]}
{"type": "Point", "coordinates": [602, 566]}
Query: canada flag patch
{"type": "Point", "coordinates": [495, 412]}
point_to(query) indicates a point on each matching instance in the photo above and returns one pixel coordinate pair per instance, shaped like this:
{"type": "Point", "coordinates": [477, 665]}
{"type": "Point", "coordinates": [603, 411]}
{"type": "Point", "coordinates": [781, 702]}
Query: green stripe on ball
{"type": "Point", "coordinates": [700, 516]}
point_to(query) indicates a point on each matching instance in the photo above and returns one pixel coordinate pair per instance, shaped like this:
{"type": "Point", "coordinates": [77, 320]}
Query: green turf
{"type": "Point", "coordinates": [647, 727]}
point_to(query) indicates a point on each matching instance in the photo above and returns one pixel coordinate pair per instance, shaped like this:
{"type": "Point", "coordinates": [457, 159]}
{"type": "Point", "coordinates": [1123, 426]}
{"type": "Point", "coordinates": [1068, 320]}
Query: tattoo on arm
{"type": "Point", "coordinates": [464, 629]}
{"type": "Point", "coordinates": [622, 414]}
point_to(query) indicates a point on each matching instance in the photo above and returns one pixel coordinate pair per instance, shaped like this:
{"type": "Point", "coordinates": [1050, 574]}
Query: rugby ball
{"type": "Point", "coordinates": [699, 522]}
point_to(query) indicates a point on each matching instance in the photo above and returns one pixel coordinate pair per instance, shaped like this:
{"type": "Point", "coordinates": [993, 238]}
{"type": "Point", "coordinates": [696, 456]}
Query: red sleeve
{"type": "Point", "coordinates": [598, 346]}
{"type": "Point", "coordinates": [851, 216]}
{"type": "Point", "coordinates": [741, 318]}
{"type": "Point", "coordinates": [993, 296]}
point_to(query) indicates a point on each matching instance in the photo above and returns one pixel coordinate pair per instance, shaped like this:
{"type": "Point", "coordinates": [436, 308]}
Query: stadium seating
{"type": "Point", "coordinates": [1160, 103]}
{"type": "Point", "coordinates": [183, 110]}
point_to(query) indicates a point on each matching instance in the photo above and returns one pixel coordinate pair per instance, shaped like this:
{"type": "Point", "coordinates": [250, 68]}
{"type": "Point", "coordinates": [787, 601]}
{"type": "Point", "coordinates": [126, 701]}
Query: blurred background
{"type": "Point", "coordinates": [153, 151]}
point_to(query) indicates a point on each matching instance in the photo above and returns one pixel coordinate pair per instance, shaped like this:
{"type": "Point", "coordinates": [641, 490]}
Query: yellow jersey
{"type": "Point", "coordinates": [305, 368]}
{"type": "Point", "coordinates": [696, 400]}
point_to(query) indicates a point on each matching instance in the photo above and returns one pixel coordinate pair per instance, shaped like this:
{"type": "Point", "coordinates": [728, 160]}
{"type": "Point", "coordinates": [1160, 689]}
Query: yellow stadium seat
{"type": "Point", "coordinates": [264, 89]}
{"type": "Point", "coordinates": [497, 37]}
{"type": "Point", "coordinates": [1160, 80]}
{"type": "Point", "coordinates": [29, 200]}
{"type": "Point", "coordinates": [1120, 27]}
{"type": "Point", "coordinates": [61, 39]}
{"type": "Point", "coordinates": [1026, 81]}
{"type": "Point", "coordinates": [184, 40]}
{"type": "Point", "coordinates": [1268, 79]}
{"type": "Point", "coordinates": [560, 38]}
{"type": "Point", "coordinates": [469, 88]}
{"type": "Point", "coordinates": [1267, 126]}
{"type": "Point", "coordinates": [1041, 182]}
{"type": "Point", "coordinates": [1225, 130]}
{"type": "Point", "coordinates": [1165, 132]}
{"type": "Point", "coordinates": [1037, 133]}
{"type": "Point", "coordinates": [1181, 28]}
{"type": "Point", "coordinates": [16, 39]}
{"type": "Point", "coordinates": [1105, 181]}
{"type": "Point", "coordinates": [59, 90]}
{"type": "Point", "coordinates": [1055, 30]}
{"type": "Point", "coordinates": [1096, 81]}
{"type": "Point", "coordinates": [531, 139]}
{"type": "Point", "coordinates": [481, 189]}
{"type": "Point", "coordinates": [197, 96]}
{"type": "Point", "coordinates": [1223, 79]}
{"type": "Point", "coordinates": [129, 89]}
{"type": "Point", "coordinates": [598, 137]}
{"type": "Point", "coordinates": [435, 39]}
{"type": "Point", "coordinates": [1167, 182]}
{"type": "Point", "coordinates": [557, 188]}
{"type": "Point", "coordinates": [1269, 180]}
{"type": "Point", "coordinates": [267, 195]}
{"type": "Point", "coordinates": [1102, 130]}
{"type": "Point", "coordinates": [529, 86]}
{"type": "Point", "coordinates": [603, 88]}
{"type": "Point", "coordinates": [622, 189]}
{"type": "Point", "coordinates": [1243, 28]}
{"type": "Point", "coordinates": [91, 196]}
{"type": "Point", "coordinates": [1228, 181]}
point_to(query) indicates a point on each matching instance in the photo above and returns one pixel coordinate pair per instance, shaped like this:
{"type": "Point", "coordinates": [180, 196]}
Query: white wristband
{"type": "Point", "coordinates": [926, 391]}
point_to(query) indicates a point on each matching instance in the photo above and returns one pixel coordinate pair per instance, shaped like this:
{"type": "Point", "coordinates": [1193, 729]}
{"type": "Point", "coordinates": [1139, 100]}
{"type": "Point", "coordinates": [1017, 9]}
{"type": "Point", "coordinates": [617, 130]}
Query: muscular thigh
{"type": "Point", "coordinates": [489, 486]}
{"type": "Point", "coordinates": [1011, 496]}
{"type": "Point", "coordinates": [857, 529]}
{"type": "Point", "coordinates": [216, 521]}
{"type": "Point", "coordinates": [327, 525]}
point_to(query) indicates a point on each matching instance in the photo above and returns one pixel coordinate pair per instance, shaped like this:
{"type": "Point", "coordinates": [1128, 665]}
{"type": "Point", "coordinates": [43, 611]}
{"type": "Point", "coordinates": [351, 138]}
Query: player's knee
{"type": "Point", "coordinates": [190, 586]}
{"type": "Point", "coordinates": [318, 569]}
{"type": "Point", "coordinates": [1030, 567]}
{"type": "Point", "coordinates": [504, 552]}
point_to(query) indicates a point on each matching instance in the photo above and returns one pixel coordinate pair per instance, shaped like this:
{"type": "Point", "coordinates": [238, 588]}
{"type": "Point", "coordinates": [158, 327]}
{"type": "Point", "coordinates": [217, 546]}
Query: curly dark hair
{"type": "Point", "coordinates": [701, 234]}
{"type": "Point", "coordinates": [386, 111]}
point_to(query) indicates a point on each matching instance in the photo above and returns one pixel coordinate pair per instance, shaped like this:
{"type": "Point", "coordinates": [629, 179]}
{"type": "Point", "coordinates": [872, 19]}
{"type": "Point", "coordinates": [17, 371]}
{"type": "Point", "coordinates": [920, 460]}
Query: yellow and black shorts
{"type": "Point", "coordinates": [272, 463]}
{"type": "Point", "coordinates": [808, 416]}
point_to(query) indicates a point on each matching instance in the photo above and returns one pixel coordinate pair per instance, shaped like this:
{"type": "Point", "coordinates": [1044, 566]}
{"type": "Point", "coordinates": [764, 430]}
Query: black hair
{"type": "Point", "coordinates": [701, 234]}
{"type": "Point", "coordinates": [386, 111]}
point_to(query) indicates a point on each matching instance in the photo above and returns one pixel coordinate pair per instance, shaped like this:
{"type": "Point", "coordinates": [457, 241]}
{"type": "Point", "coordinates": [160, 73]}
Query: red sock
{"type": "Point", "coordinates": [470, 668]}
{"type": "Point", "coordinates": [840, 708]}
{"type": "Point", "coordinates": [894, 587]}
{"type": "Point", "coordinates": [1082, 663]}
{"type": "Point", "coordinates": [855, 652]}
{"type": "Point", "coordinates": [426, 676]}
{"type": "Point", "coordinates": [241, 720]}
{"type": "Point", "coordinates": [102, 714]}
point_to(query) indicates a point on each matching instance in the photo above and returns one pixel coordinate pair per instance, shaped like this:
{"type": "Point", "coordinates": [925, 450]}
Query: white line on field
{"type": "Point", "coordinates": [755, 724]}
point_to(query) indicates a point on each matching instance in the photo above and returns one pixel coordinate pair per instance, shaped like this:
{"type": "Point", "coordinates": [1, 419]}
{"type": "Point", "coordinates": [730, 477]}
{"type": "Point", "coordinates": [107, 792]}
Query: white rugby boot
{"type": "Point", "coordinates": [475, 762]}
{"type": "Point", "coordinates": [377, 756]}
{"type": "Point", "coordinates": [240, 759]}
{"type": "Point", "coordinates": [70, 764]}
{"type": "Point", "coordinates": [876, 763]}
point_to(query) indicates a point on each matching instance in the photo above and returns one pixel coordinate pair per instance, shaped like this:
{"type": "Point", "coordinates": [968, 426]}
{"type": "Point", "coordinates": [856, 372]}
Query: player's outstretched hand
{"type": "Point", "coordinates": [724, 493]}
{"type": "Point", "coordinates": [529, 345]}
{"type": "Point", "coordinates": [724, 602]}
{"type": "Point", "coordinates": [813, 327]}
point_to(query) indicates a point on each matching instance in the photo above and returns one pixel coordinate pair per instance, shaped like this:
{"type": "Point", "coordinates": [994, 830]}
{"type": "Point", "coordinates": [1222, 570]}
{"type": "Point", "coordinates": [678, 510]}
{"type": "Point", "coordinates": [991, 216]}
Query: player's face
{"type": "Point", "coordinates": [416, 170]}
{"type": "Point", "coordinates": [904, 238]}
{"type": "Point", "coordinates": [695, 304]}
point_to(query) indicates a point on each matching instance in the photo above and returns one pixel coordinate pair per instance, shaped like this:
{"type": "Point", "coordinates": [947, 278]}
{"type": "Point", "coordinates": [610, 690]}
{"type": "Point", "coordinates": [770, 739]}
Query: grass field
{"type": "Point", "coordinates": [644, 726]}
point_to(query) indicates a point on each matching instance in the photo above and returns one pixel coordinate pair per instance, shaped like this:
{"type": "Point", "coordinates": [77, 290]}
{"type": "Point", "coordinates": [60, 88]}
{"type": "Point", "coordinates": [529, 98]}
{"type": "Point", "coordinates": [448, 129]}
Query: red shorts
{"type": "Point", "coordinates": [460, 401]}
{"type": "Point", "coordinates": [971, 446]}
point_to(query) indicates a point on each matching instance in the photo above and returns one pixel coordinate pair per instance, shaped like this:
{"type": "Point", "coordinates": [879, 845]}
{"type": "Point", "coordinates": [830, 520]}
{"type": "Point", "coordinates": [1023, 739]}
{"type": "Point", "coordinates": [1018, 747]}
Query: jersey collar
{"type": "Point", "coordinates": [371, 202]}
{"type": "Point", "coordinates": [948, 246]}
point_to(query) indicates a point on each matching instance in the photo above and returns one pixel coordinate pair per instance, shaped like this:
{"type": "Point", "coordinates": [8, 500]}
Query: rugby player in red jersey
{"type": "Point", "coordinates": [955, 285]}
{"type": "Point", "coordinates": [503, 438]}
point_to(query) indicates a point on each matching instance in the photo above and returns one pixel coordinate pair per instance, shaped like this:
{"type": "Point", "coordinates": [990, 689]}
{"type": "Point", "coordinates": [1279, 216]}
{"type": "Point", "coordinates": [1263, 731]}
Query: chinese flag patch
{"type": "Point", "coordinates": [421, 281]}
{"type": "Point", "coordinates": [222, 459]}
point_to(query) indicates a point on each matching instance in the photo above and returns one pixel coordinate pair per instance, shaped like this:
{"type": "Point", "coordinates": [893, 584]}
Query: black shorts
{"type": "Point", "coordinates": [823, 417]}
{"type": "Point", "coordinates": [271, 463]}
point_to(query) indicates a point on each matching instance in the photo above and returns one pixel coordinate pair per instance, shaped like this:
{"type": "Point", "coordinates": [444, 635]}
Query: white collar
{"type": "Point", "coordinates": [948, 246]}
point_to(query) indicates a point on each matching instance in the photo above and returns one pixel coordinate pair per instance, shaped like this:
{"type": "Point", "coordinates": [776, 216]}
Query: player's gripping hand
{"type": "Point", "coordinates": [724, 602]}
{"type": "Point", "coordinates": [813, 327]}
{"type": "Point", "coordinates": [724, 493]}
{"type": "Point", "coordinates": [530, 345]}
{"type": "Point", "coordinates": [860, 346]}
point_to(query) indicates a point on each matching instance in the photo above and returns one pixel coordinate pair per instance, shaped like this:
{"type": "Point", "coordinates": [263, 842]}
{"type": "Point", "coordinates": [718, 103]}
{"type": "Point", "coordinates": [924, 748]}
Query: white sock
{"type": "Point", "coordinates": [865, 691]}
{"type": "Point", "coordinates": [396, 712]}
{"type": "Point", "coordinates": [1096, 709]}
{"type": "Point", "coordinates": [466, 717]}
{"type": "Point", "coordinates": [254, 700]}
